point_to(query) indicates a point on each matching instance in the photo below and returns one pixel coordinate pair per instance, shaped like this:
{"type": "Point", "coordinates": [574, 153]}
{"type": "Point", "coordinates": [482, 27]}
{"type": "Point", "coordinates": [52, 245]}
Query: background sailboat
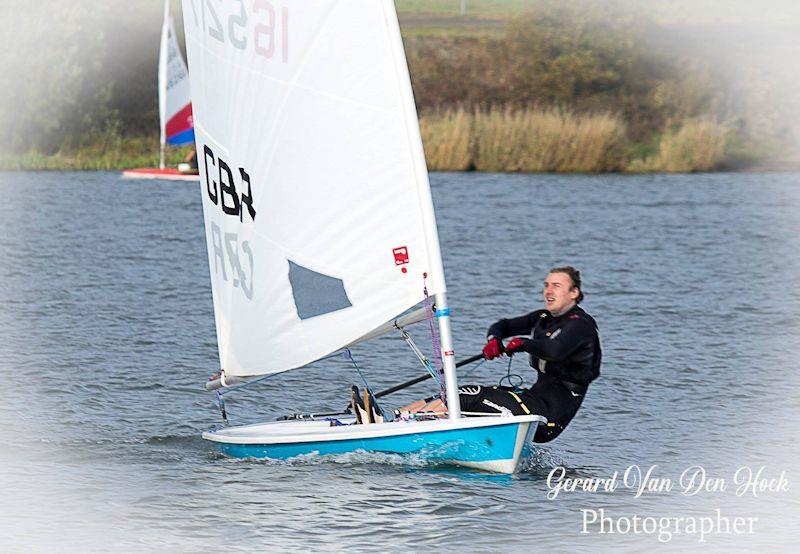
{"type": "Point", "coordinates": [174, 103]}
{"type": "Point", "coordinates": [319, 220]}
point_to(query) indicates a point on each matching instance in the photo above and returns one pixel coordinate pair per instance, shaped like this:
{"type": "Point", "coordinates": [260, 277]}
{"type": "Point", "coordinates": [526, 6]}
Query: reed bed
{"type": "Point", "coordinates": [695, 146]}
{"type": "Point", "coordinates": [447, 135]}
{"type": "Point", "coordinates": [526, 140]}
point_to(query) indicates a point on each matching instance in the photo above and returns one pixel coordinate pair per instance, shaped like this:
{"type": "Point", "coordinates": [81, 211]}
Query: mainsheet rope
{"type": "Point", "coordinates": [349, 356]}
{"type": "Point", "coordinates": [508, 376]}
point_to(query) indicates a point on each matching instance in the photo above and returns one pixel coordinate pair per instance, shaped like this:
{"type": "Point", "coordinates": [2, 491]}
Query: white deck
{"type": "Point", "coordinates": [288, 432]}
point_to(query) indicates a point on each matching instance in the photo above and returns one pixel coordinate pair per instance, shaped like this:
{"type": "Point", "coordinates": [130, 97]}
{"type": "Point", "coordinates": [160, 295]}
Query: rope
{"type": "Point", "coordinates": [435, 343]}
{"type": "Point", "coordinates": [221, 406]}
{"type": "Point", "coordinates": [426, 363]}
{"type": "Point", "coordinates": [436, 376]}
{"type": "Point", "coordinates": [508, 376]}
{"type": "Point", "coordinates": [474, 368]}
{"type": "Point", "coordinates": [349, 356]}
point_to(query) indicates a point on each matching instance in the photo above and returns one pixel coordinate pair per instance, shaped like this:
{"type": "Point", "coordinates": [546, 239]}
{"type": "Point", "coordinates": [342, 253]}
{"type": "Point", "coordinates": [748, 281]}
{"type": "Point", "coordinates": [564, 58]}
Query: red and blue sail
{"type": "Point", "coordinates": [180, 129]}
{"type": "Point", "coordinates": [174, 96]}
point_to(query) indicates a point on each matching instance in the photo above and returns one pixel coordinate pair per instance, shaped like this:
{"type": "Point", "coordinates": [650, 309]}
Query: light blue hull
{"type": "Point", "coordinates": [477, 445]}
{"type": "Point", "coordinates": [491, 445]}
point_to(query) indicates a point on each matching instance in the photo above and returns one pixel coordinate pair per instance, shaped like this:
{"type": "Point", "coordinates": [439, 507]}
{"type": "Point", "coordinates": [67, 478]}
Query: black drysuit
{"type": "Point", "coordinates": [564, 350]}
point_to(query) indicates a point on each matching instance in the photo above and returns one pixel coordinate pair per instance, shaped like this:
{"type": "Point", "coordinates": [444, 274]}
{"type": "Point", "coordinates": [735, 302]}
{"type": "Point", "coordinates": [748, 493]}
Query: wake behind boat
{"type": "Point", "coordinates": [319, 221]}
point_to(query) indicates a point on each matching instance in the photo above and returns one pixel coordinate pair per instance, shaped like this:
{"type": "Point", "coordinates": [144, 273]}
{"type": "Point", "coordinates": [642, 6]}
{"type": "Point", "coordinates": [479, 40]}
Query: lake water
{"type": "Point", "coordinates": [107, 336]}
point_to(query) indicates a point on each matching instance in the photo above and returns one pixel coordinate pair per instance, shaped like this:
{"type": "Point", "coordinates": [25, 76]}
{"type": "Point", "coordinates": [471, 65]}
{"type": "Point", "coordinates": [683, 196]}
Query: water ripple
{"type": "Point", "coordinates": [108, 333]}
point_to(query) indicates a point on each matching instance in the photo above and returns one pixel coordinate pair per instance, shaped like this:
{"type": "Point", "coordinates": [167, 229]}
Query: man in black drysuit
{"type": "Point", "coordinates": [564, 349]}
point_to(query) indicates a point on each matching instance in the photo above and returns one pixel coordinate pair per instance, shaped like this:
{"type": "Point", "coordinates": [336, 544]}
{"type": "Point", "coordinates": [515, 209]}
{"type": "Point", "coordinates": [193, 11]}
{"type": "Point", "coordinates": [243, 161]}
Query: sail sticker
{"type": "Point", "coordinates": [315, 293]}
{"type": "Point", "coordinates": [400, 255]}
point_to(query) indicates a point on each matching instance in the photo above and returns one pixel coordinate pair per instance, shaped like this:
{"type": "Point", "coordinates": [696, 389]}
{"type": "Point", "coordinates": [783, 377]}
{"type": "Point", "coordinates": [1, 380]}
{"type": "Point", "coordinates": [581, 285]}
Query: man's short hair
{"type": "Point", "coordinates": [574, 275]}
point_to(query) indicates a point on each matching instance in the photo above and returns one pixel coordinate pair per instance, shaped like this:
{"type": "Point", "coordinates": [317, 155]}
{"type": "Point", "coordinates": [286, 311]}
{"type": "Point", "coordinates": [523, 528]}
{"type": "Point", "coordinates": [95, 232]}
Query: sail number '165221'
{"type": "Point", "coordinates": [223, 192]}
{"type": "Point", "coordinates": [270, 32]}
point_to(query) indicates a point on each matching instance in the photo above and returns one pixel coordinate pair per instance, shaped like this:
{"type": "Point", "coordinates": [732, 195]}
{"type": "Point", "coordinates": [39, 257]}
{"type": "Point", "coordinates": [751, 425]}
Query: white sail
{"type": "Point", "coordinates": [318, 213]}
{"type": "Point", "coordinates": [174, 94]}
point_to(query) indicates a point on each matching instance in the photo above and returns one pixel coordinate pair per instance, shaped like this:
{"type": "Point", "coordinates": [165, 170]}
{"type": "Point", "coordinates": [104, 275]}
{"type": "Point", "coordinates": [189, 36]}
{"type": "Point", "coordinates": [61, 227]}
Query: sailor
{"type": "Point", "coordinates": [564, 349]}
{"type": "Point", "coordinates": [189, 164]}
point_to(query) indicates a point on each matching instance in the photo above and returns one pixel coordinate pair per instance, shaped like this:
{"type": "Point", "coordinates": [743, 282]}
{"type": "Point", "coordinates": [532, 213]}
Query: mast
{"type": "Point", "coordinates": [447, 353]}
{"type": "Point", "coordinates": [448, 356]}
{"type": "Point", "coordinates": [163, 61]}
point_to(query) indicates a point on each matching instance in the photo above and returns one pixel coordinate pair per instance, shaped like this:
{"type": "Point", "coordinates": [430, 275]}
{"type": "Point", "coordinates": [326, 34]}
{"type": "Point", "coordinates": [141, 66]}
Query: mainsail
{"type": "Point", "coordinates": [174, 100]}
{"type": "Point", "coordinates": [318, 213]}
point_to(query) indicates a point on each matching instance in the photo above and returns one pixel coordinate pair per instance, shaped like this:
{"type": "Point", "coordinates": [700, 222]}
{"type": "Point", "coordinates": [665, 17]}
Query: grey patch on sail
{"type": "Point", "coordinates": [314, 293]}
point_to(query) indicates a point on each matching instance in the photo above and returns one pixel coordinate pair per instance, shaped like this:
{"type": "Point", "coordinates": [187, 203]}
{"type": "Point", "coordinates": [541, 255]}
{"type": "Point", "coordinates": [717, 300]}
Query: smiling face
{"type": "Point", "coordinates": [560, 293]}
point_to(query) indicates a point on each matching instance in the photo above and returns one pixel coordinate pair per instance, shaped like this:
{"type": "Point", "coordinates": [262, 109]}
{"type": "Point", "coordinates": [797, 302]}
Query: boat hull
{"type": "Point", "coordinates": [167, 174]}
{"type": "Point", "coordinates": [487, 443]}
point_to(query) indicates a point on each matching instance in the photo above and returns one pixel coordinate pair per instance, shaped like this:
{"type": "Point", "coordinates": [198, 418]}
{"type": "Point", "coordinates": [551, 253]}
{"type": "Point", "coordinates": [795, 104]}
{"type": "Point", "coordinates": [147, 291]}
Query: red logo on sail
{"type": "Point", "coordinates": [400, 255]}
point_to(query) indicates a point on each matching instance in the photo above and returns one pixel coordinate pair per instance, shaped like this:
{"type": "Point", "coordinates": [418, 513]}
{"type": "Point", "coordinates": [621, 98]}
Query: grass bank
{"type": "Point", "coordinates": [102, 152]}
{"type": "Point", "coordinates": [455, 139]}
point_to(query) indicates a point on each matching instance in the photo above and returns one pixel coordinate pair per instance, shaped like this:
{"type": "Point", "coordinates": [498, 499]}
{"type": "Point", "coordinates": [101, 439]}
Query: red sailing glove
{"type": "Point", "coordinates": [514, 345]}
{"type": "Point", "coordinates": [493, 348]}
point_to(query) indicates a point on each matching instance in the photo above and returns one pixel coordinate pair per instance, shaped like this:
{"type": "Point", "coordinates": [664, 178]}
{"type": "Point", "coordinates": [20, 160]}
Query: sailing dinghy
{"type": "Point", "coordinates": [319, 221]}
{"type": "Point", "coordinates": [174, 105]}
